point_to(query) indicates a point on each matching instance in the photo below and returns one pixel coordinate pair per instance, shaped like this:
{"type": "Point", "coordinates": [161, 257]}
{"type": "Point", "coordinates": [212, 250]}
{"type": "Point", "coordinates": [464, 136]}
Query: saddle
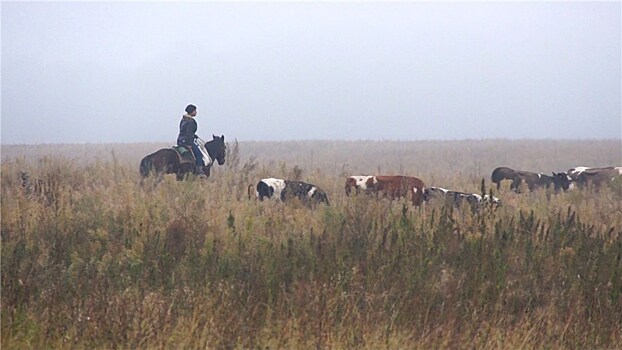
{"type": "Point", "coordinates": [184, 154]}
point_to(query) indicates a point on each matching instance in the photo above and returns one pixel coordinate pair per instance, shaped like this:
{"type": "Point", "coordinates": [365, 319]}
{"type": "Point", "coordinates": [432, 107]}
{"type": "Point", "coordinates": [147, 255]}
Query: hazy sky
{"type": "Point", "coordinates": [124, 71]}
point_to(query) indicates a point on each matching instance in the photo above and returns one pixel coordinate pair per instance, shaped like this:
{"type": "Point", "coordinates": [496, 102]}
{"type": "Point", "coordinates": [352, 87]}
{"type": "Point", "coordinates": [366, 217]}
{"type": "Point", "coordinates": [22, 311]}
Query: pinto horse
{"type": "Point", "coordinates": [595, 177]}
{"type": "Point", "coordinates": [167, 160]}
{"type": "Point", "coordinates": [457, 198]}
{"type": "Point", "coordinates": [391, 186]}
{"type": "Point", "coordinates": [285, 190]}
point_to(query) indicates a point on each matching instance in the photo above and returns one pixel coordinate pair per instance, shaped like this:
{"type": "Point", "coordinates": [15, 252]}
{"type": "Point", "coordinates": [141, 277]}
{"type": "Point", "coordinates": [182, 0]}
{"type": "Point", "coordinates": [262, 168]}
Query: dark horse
{"type": "Point", "coordinates": [167, 160]}
{"type": "Point", "coordinates": [502, 173]}
{"type": "Point", "coordinates": [560, 181]}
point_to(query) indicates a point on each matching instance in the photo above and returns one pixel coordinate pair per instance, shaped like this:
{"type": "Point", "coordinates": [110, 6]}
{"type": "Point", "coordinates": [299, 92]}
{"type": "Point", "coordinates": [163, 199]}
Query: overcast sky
{"type": "Point", "coordinates": [75, 72]}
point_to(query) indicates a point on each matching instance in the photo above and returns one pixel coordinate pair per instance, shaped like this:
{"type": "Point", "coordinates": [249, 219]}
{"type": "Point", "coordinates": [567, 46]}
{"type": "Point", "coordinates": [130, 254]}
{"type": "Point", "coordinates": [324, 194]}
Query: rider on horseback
{"type": "Point", "coordinates": [187, 134]}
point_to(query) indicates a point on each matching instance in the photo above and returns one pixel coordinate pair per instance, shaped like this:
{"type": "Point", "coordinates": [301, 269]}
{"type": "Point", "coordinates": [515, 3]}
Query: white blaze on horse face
{"type": "Point", "coordinates": [619, 169]}
{"type": "Point", "coordinates": [361, 180]}
{"type": "Point", "coordinates": [277, 184]}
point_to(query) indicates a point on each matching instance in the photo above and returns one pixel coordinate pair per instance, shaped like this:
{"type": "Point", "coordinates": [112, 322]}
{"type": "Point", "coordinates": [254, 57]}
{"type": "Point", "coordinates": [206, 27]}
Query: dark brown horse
{"type": "Point", "coordinates": [167, 160]}
{"type": "Point", "coordinates": [560, 181]}
{"type": "Point", "coordinates": [533, 180]}
{"type": "Point", "coordinates": [502, 173]}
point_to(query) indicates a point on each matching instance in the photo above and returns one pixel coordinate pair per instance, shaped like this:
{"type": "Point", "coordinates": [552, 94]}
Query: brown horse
{"type": "Point", "coordinates": [395, 186]}
{"type": "Point", "coordinates": [167, 160]}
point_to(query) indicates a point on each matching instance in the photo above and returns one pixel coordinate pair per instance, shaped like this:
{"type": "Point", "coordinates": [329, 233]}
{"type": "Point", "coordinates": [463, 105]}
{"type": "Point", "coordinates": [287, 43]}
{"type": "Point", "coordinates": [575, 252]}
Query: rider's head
{"type": "Point", "coordinates": [191, 110]}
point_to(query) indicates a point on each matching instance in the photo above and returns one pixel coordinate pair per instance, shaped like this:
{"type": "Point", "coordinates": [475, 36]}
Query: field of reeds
{"type": "Point", "coordinates": [93, 258]}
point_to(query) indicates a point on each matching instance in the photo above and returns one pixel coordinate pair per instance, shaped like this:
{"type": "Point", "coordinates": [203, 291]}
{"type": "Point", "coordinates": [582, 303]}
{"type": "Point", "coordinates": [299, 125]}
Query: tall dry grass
{"type": "Point", "coordinates": [93, 259]}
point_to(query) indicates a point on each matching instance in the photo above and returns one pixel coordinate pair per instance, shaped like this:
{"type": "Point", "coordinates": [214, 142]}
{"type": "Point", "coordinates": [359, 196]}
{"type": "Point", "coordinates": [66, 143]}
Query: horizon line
{"type": "Point", "coordinates": [331, 140]}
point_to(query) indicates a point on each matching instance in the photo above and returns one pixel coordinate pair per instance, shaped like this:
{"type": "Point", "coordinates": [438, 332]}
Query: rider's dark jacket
{"type": "Point", "coordinates": [187, 131]}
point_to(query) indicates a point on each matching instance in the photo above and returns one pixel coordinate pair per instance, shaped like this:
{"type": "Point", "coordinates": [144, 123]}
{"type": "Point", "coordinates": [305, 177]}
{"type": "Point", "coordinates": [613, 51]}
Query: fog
{"type": "Point", "coordinates": [82, 72]}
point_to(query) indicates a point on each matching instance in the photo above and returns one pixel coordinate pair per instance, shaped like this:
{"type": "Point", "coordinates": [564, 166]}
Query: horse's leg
{"type": "Point", "coordinates": [181, 175]}
{"type": "Point", "coordinates": [515, 184]}
{"type": "Point", "coordinates": [159, 176]}
{"type": "Point", "coordinates": [207, 170]}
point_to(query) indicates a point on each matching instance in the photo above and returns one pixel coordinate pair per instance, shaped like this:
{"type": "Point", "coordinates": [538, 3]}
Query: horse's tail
{"type": "Point", "coordinates": [145, 166]}
{"type": "Point", "coordinates": [250, 187]}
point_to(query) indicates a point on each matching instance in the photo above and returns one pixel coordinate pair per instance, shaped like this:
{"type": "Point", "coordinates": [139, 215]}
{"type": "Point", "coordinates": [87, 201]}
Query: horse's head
{"type": "Point", "coordinates": [320, 197]}
{"type": "Point", "coordinates": [219, 149]}
{"type": "Point", "coordinates": [561, 181]}
{"type": "Point", "coordinates": [350, 182]}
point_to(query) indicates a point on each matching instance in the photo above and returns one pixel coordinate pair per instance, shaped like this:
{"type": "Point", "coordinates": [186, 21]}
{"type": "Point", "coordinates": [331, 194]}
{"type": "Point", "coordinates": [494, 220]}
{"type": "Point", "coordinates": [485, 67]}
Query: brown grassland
{"type": "Point", "coordinates": [92, 258]}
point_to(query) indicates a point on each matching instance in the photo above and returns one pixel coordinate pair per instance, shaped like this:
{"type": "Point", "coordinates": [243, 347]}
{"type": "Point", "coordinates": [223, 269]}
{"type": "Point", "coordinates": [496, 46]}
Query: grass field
{"type": "Point", "coordinates": [92, 258]}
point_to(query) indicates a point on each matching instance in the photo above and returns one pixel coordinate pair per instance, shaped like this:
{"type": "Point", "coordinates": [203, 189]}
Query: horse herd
{"type": "Point", "coordinates": [168, 160]}
{"type": "Point", "coordinates": [581, 177]}
{"type": "Point", "coordinates": [398, 186]}
{"type": "Point", "coordinates": [389, 186]}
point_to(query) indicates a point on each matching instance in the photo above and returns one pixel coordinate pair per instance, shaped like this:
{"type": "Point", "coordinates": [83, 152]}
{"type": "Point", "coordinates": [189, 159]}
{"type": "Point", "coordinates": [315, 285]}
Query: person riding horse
{"type": "Point", "coordinates": [187, 135]}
